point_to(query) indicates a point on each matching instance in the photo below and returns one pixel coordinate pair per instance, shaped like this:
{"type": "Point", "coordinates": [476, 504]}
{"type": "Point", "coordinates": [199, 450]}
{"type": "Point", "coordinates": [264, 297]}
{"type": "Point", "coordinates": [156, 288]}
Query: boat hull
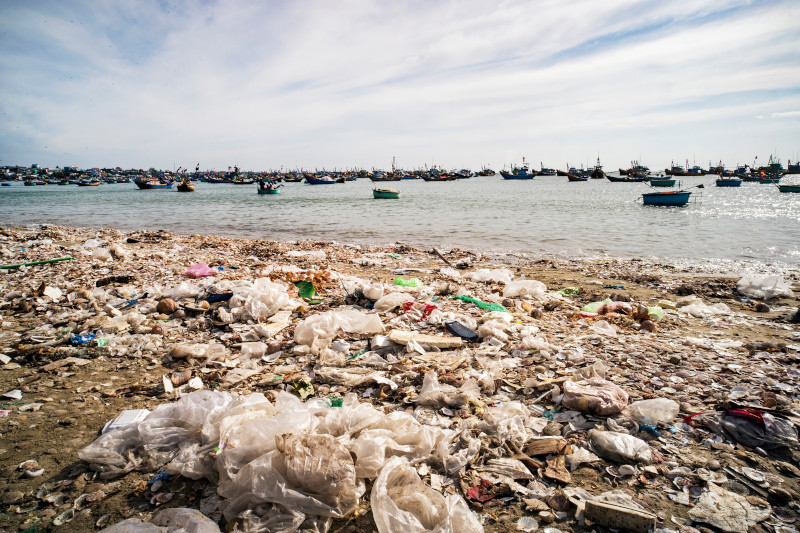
{"type": "Point", "coordinates": [667, 198]}
{"type": "Point", "coordinates": [510, 176]}
{"type": "Point", "coordinates": [662, 183]}
{"type": "Point", "coordinates": [789, 188]}
{"type": "Point", "coordinates": [385, 194]}
{"type": "Point", "coordinates": [148, 185]}
{"type": "Point", "coordinates": [729, 183]}
{"type": "Point", "coordinates": [185, 187]}
{"type": "Point", "coordinates": [269, 191]}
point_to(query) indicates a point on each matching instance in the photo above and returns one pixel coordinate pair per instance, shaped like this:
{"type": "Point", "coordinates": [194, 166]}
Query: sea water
{"type": "Point", "coordinates": [754, 223]}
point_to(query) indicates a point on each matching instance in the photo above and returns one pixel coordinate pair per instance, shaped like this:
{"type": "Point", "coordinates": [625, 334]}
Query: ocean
{"type": "Point", "coordinates": [753, 226]}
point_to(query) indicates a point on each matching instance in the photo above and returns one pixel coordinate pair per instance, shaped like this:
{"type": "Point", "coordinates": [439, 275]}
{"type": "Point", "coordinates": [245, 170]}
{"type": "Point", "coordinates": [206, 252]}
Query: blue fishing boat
{"type": "Point", "coordinates": [729, 182]}
{"type": "Point", "coordinates": [518, 173]}
{"type": "Point", "coordinates": [324, 180]}
{"type": "Point", "coordinates": [150, 184]}
{"type": "Point", "coordinates": [666, 198]}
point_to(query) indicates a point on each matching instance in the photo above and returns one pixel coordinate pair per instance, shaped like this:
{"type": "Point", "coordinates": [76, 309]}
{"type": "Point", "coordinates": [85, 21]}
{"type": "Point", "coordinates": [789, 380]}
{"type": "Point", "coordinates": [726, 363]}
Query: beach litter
{"type": "Point", "coordinates": [288, 396]}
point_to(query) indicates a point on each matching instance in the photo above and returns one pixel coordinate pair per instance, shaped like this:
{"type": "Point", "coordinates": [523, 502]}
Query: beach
{"type": "Point", "coordinates": [512, 419]}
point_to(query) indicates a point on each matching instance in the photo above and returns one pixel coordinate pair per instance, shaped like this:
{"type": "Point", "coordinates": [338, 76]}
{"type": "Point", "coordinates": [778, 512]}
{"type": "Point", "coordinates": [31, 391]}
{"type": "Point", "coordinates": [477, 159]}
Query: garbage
{"type": "Point", "coordinates": [490, 306]}
{"type": "Point", "coordinates": [594, 396]}
{"type": "Point", "coordinates": [764, 287]}
{"type": "Point", "coordinates": [391, 301]}
{"type": "Point", "coordinates": [619, 517]}
{"type": "Point", "coordinates": [200, 270]}
{"type": "Point", "coordinates": [401, 503]}
{"type": "Point", "coordinates": [497, 275]}
{"type": "Point", "coordinates": [410, 282]}
{"type": "Point", "coordinates": [727, 510]}
{"type": "Point", "coordinates": [319, 330]}
{"type": "Point", "coordinates": [208, 387]}
{"type": "Point", "coordinates": [654, 411]}
{"type": "Point", "coordinates": [176, 519]}
{"type": "Point", "coordinates": [620, 447]}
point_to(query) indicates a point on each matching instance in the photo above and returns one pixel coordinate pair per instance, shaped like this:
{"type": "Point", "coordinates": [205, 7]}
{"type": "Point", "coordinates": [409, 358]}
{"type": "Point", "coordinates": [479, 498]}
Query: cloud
{"type": "Point", "coordinates": [315, 83]}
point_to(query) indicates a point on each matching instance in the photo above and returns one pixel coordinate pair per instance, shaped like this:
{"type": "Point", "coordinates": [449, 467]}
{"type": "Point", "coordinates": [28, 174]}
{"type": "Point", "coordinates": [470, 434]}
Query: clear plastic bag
{"type": "Point", "coordinates": [402, 503]}
{"type": "Point", "coordinates": [654, 411]}
{"type": "Point", "coordinates": [594, 396]}
{"type": "Point", "coordinates": [391, 301]}
{"type": "Point", "coordinates": [319, 330]}
{"type": "Point", "coordinates": [525, 288]}
{"type": "Point", "coordinates": [620, 447]}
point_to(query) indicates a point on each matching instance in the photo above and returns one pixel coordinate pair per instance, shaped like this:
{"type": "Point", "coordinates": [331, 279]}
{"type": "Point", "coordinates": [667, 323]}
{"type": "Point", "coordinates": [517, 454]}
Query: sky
{"type": "Point", "coordinates": [355, 83]}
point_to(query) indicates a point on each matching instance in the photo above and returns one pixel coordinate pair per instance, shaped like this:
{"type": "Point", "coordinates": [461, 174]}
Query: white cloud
{"type": "Point", "coordinates": [353, 83]}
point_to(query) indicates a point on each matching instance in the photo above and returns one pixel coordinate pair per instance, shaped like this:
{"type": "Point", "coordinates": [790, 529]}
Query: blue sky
{"type": "Point", "coordinates": [354, 83]}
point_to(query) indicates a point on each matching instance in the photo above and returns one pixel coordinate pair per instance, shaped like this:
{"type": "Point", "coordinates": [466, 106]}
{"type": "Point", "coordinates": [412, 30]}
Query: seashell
{"type": "Point", "coordinates": [180, 378]}
{"type": "Point", "coordinates": [64, 517]}
{"type": "Point", "coordinates": [681, 482]}
{"type": "Point", "coordinates": [627, 470]}
{"type": "Point", "coordinates": [157, 484]}
{"type": "Point", "coordinates": [57, 498]}
{"type": "Point", "coordinates": [95, 496]}
{"type": "Point", "coordinates": [714, 477]}
{"type": "Point", "coordinates": [33, 473]}
{"type": "Point", "coordinates": [754, 474]}
{"type": "Point", "coordinates": [103, 520]}
{"type": "Point", "coordinates": [612, 471]}
{"type": "Point", "coordinates": [78, 503]}
{"type": "Point", "coordinates": [447, 412]}
{"type": "Point", "coordinates": [161, 497]}
{"type": "Point", "coordinates": [30, 464]}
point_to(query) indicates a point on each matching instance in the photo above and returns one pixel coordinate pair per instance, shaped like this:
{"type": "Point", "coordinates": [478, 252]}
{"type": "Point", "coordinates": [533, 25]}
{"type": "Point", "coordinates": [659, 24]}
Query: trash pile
{"type": "Point", "coordinates": [253, 386]}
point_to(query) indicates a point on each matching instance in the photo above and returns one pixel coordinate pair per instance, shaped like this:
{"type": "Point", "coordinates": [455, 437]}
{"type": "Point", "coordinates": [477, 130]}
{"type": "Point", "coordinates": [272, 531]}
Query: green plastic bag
{"type": "Point", "coordinates": [655, 313]}
{"type": "Point", "coordinates": [305, 289]}
{"type": "Point", "coordinates": [490, 306]}
{"type": "Point", "coordinates": [410, 282]}
{"type": "Point", "coordinates": [594, 307]}
{"type": "Point", "coordinates": [568, 290]}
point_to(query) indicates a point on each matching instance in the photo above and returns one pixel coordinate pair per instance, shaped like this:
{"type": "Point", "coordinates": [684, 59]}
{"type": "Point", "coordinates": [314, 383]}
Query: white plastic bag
{"type": "Point", "coordinates": [319, 330]}
{"type": "Point", "coordinates": [764, 287]}
{"type": "Point", "coordinates": [620, 447]}
{"type": "Point", "coordinates": [525, 288]}
{"type": "Point", "coordinates": [497, 275]}
{"type": "Point", "coordinates": [392, 300]}
{"type": "Point", "coordinates": [402, 503]}
{"type": "Point", "coordinates": [594, 396]}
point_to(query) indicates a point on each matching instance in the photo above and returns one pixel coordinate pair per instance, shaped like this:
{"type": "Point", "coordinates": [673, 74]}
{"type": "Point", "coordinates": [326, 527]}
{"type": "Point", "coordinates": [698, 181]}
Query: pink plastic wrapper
{"type": "Point", "coordinates": [200, 270]}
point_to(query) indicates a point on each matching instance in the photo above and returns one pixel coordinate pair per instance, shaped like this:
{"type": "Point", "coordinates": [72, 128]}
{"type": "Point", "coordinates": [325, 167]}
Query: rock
{"type": "Point", "coordinates": [13, 496]}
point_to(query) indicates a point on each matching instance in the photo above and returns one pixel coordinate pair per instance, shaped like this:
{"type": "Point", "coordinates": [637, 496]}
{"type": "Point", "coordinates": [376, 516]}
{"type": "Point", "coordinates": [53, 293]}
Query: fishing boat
{"type": "Point", "coordinates": [152, 184]}
{"type": "Point", "coordinates": [89, 183]}
{"type": "Point", "coordinates": [5, 184]}
{"type": "Point", "coordinates": [268, 188]}
{"type": "Point", "coordinates": [729, 182]}
{"type": "Point", "coordinates": [185, 186]}
{"type": "Point", "coordinates": [662, 182]}
{"type": "Point", "coordinates": [518, 173]}
{"type": "Point", "coordinates": [666, 198]}
{"type": "Point", "coordinates": [769, 179]}
{"type": "Point", "coordinates": [385, 193]}
{"type": "Point", "coordinates": [597, 172]}
{"type": "Point", "coordinates": [626, 179]}
{"type": "Point", "coordinates": [324, 180]}
{"type": "Point", "coordinates": [789, 188]}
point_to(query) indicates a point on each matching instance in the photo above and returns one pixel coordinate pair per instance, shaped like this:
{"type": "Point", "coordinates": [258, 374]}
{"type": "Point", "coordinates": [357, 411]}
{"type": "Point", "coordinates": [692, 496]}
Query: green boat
{"type": "Point", "coordinates": [385, 193]}
{"type": "Point", "coordinates": [268, 188]}
{"type": "Point", "coordinates": [789, 188]}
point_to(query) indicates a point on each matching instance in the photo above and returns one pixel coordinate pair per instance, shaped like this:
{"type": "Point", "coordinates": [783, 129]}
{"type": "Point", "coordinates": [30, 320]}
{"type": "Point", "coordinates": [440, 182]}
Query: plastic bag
{"type": "Point", "coordinates": [620, 447]}
{"type": "Point", "coordinates": [319, 330]}
{"type": "Point", "coordinates": [604, 328]}
{"type": "Point", "coordinates": [594, 396]}
{"type": "Point", "coordinates": [392, 300]}
{"type": "Point", "coordinates": [410, 282]}
{"type": "Point", "coordinates": [101, 254]}
{"type": "Point", "coordinates": [525, 288]}
{"type": "Point", "coordinates": [498, 275]}
{"type": "Point", "coordinates": [655, 411]}
{"type": "Point", "coordinates": [402, 503]}
{"type": "Point", "coordinates": [701, 310]}
{"type": "Point", "coordinates": [259, 300]}
{"type": "Point", "coordinates": [200, 270]}
{"type": "Point", "coordinates": [751, 427]}
{"type": "Point", "coordinates": [434, 394]}
{"type": "Point", "coordinates": [764, 287]}
{"type": "Point", "coordinates": [180, 519]}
